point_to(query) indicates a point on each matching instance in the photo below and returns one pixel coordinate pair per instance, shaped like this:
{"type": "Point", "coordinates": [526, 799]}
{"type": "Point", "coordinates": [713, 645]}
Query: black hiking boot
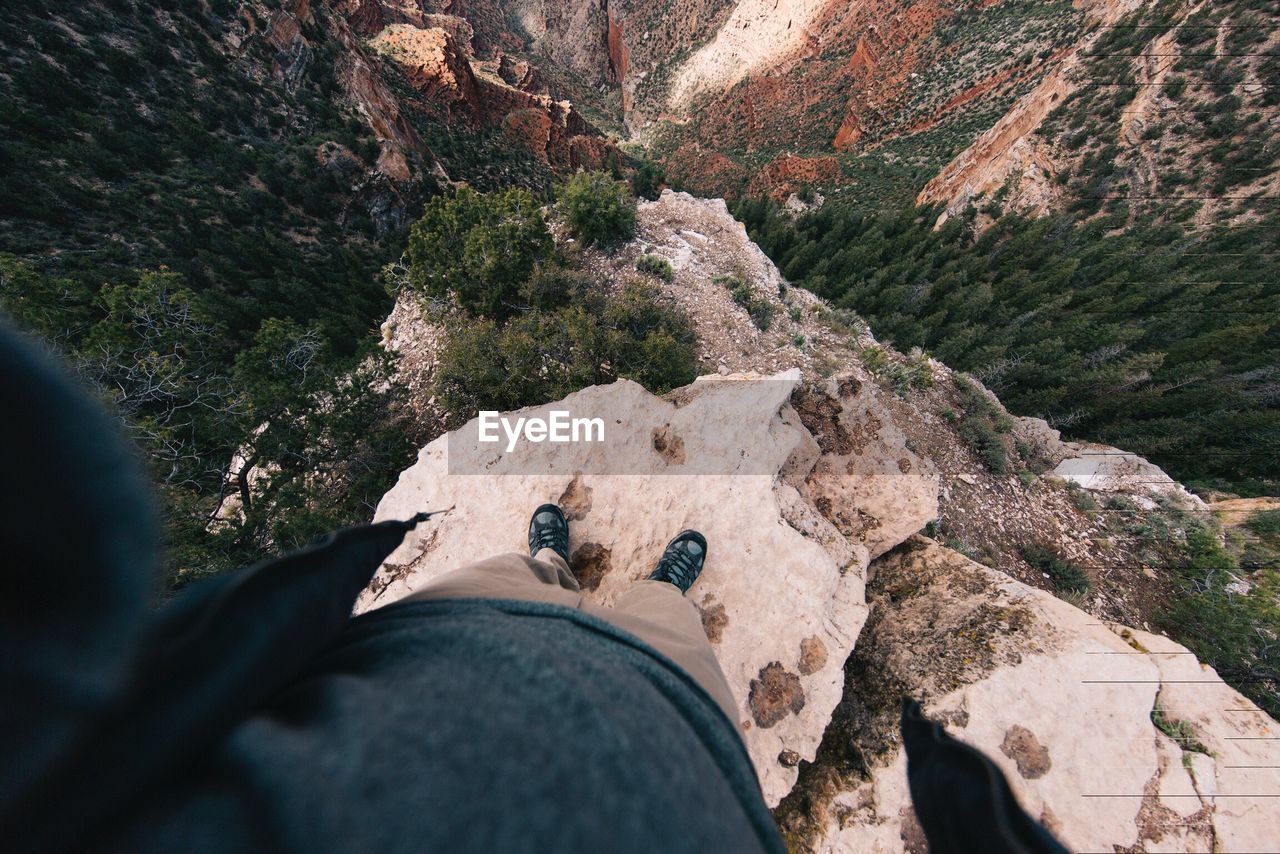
{"type": "Point", "coordinates": [682, 561]}
{"type": "Point", "coordinates": [548, 529]}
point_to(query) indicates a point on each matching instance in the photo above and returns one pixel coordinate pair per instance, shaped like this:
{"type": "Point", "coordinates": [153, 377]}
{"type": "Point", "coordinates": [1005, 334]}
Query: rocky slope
{"type": "Point", "coordinates": [819, 458]}
{"type": "Point", "coordinates": [1114, 738]}
{"type": "Point", "coordinates": [987, 515]}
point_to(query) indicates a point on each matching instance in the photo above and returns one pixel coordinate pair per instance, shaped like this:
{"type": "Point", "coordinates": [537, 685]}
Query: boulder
{"type": "Point", "coordinates": [1102, 468]}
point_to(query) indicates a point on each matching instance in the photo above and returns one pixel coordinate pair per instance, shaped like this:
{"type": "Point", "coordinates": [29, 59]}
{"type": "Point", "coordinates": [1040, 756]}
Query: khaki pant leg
{"type": "Point", "coordinates": [654, 611]}
{"type": "Point", "coordinates": [543, 578]}
{"type": "Point", "coordinates": [661, 616]}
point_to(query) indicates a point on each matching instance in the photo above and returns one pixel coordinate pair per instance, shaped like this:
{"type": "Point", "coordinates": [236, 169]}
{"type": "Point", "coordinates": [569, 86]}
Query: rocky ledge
{"type": "Point", "coordinates": [1110, 735]}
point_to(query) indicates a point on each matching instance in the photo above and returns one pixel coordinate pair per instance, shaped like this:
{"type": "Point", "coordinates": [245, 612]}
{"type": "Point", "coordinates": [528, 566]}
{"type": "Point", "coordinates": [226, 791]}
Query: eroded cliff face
{"type": "Point", "coordinates": [1077, 713]}
{"type": "Point", "coordinates": [301, 33]}
{"type": "Point", "coordinates": [412, 69]}
{"type": "Point", "coordinates": [777, 78]}
{"type": "Point", "coordinates": [817, 77]}
{"type": "Point", "coordinates": [437, 53]}
{"type": "Point", "coordinates": [872, 98]}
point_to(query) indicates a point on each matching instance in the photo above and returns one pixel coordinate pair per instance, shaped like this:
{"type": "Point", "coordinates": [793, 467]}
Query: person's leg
{"type": "Point", "coordinates": [661, 615]}
{"type": "Point", "coordinates": [656, 611]}
{"type": "Point", "coordinates": [544, 578]}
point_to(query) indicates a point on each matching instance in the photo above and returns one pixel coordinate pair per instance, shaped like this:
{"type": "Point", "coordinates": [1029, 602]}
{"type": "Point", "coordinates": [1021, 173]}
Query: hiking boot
{"type": "Point", "coordinates": [548, 529]}
{"type": "Point", "coordinates": [682, 561]}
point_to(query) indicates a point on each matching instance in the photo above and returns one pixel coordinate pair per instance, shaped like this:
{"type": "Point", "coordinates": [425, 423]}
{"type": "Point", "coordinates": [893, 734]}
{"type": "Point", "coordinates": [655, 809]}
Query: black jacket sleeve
{"type": "Point", "coordinates": [104, 695]}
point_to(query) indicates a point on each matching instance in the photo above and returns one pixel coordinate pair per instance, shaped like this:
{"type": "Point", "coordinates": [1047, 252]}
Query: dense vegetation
{"type": "Point", "coordinates": [523, 327]}
{"type": "Point", "coordinates": [192, 218]}
{"type": "Point", "coordinates": [479, 249]}
{"type": "Point", "coordinates": [1153, 337]}
{"type": "Point", "coordinates": [251, 448]}
{"type": "Point", "coordinates": [599, 210]}
{"type": "Point", "coordinates": [194, 228]}
{"type": "Point", "coordinates": [145, 142]}
{"type": "Point", "coordinates": [1227, 613]}
{"type": "Point", "coordinates": [1205, 135]}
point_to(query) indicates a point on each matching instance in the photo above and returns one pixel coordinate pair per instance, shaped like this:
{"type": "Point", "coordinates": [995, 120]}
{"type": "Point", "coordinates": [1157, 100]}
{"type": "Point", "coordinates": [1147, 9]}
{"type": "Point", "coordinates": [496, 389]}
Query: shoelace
{"type": "Point", "coordinates": [548, 537]}
{"type": "Point", "coordinates": [680, 567]}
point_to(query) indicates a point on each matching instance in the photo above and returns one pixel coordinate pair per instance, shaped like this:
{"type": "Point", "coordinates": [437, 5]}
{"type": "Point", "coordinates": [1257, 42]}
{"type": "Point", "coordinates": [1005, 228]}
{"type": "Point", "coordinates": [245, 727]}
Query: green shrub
{"type": "Point", "coordinates": [983, 425]}
{"type": "Point", "coordinates": [598, 210]}
{"type": "Point", "coordinates": [1064, 574]}
{"type": "Point", "coordinates": [649, 339]}
{"type": "Point", "coordinates": [542, 356]}
{"type": "Point", "coordinates": [963, 546]}
{"type": "Point", "coordinates": [1174, 87]}
{"type": "Point", "coordinates": [1265, 524]}
{"type": "Point", "coordinates": [552, 286]}
{"type": "Point", "coordinates": [1178, 730]}
{"type": "Point", "coordinates": [1230, 626]}
{"type": "Point", "coordinates": [655, 265]}
{"type": "Point", "coordinates": [986, 444]}
{"type": "Point", "coordinates": [900, 375]}
{"type": "Point", "coordinates": [759, 309]}
{"type": "Point", "coordinates": [479, 249]}
{"type": "Point", "coordinates": [1081, 499]}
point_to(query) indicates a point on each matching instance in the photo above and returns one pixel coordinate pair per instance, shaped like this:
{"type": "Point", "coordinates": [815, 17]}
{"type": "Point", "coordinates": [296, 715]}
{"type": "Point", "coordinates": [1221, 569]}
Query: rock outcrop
{"type": "Point", "coordinates": [791, 529]}
{"type": "Point", "coordinates": [1113, 738]}
{"type": "Point", "coordinates": [1105, 469]}
{"type": "Point", "coordinates": [1110, 736]}
{"type": "Point", "coordinates": [1008, 154]}
{"type": "Point", "coordinates": [757, 34]}
{"type": "Point", "coordinates": [297, 32]}
{"type": "Point", "coordinates": [436, 57]}
{"type": "Point", "coordinates": [434, 62]}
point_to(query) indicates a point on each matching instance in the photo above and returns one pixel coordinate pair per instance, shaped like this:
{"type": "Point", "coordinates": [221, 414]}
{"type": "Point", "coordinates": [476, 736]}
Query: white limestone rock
{"type": "Point", "coordinates": [1063, 704]}
{"type": "Point", "coordinates": [782, 594]}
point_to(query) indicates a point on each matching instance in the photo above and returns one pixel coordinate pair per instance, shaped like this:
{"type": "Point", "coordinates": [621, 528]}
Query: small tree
{"type": "Point", "coordinates": [648, 179]}
{"type": "Point", "coordinates": [478, 248]}
{"type": "Point", "coordinates": [598, 210]}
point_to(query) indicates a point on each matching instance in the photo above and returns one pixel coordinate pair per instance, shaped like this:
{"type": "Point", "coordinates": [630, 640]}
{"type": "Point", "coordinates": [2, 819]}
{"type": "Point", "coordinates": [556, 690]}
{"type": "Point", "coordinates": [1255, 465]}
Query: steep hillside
{"type": "Point", "coordinates": [1158, 336]}
{"type": "Point", "coordinates": [1172, 106]}
{"type": "Point", "coordinates": [876, 102]}
{"type": "Point", "coordinates": [210, 140]}
{"type": "Point", "coordinates": [259, 149]}
{"type": "Point", "coordinates": [739, 97]}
